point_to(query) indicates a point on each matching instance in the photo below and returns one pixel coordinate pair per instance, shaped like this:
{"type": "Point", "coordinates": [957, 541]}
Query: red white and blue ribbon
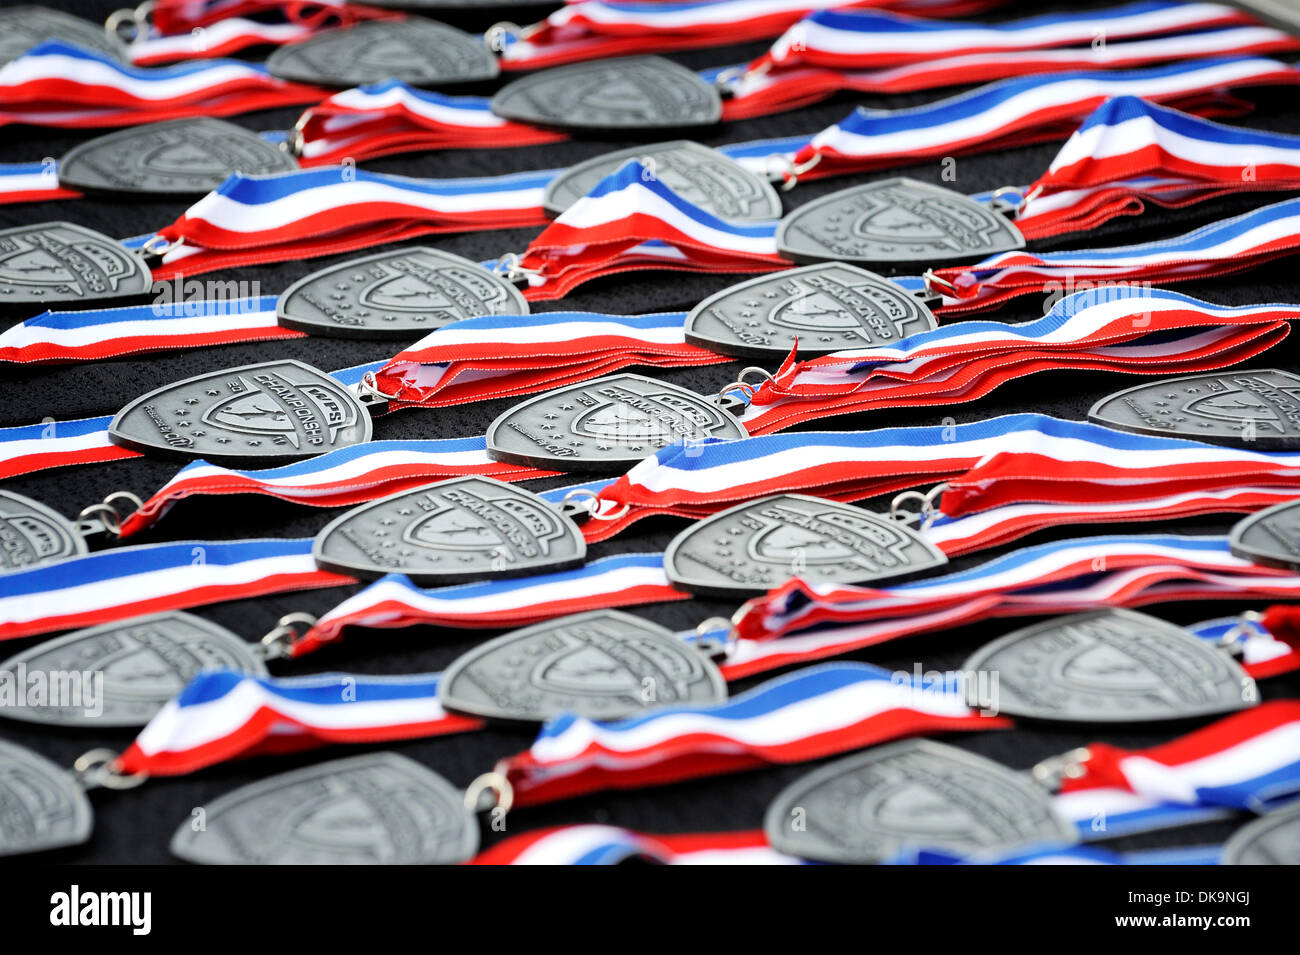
{"type": "Point", "coordinates": [595, 844]}
{"type": "Point", "coordinates": [805, 715]}
{"type": "Point", "coordinates": [1125, 328]}
{"type": "Point", "coordinates": [1219, 248]}
{"type": "Point", "coordinates": [102, 333]}
{"type": "Point", "coordinates": [150, 578]}
{"type": "Point", "coordinates": [1028, 110]}
{"type": "Point", "coordinates": [60, 84]}
{"type": "Point", "coordinates": [1244, 763]}
{"type": "Point", "coordinates": [1266, 644]}
{"type": "Point", "coordinates": [1130, 152]}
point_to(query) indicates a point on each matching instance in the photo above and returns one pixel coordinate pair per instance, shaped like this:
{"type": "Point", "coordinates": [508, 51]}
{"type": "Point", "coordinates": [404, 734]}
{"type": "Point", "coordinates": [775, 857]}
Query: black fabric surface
{"type": "Point", "coordinates": [136, 826]}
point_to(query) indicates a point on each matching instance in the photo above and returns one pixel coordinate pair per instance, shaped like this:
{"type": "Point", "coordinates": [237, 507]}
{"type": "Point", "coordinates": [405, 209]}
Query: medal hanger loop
{"type": "Point", "coordinates": [138, 19]}
{"type": "Point", "coordinates": [510, 267]}
{"type": "Point", "coordinates": [744, 387]}
{"type": "Point", "coordinates": [727, 79]}
{"type": "Point", "coordinates": [497, 785]}
{"type": "Point", "coordinates": [1230, 642]}
{"type": "Point", "coordinates": [928, 501]}
{"type": "Point", "coordinates": [501, 34]}
{"type": "Point", "coordinates": [98, 769]}
{"type": "Point", "coordinates": [569, 505]}
{"type": "Point", "coordinates": [717, 648]}
{"type": "Point", "coordinates": [279, 642]}
{"type": "Point", "coordinates": [1054, 770]}
{"type": "Point", "coordinates": [370, 394]}
{"type": "Point", "coordinates": [296, 141]}
{"type": "Point", "coordinates": [156, 246]}
{"type": "Point", "coordinates": [104, 517]}
{"type": "Point", "coordinates": [778, 167]}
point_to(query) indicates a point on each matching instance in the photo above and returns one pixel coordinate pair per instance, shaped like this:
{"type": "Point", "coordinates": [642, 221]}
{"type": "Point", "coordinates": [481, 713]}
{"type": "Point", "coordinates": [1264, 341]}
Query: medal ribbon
{"type": "Point", "coordinates": [1268, 643]}
{"type": "Point", "coordinates": [1231, 245]}
{"type": "Point", "coordinates": [1129, 152]}
{"type": "Point", "coordinates": [594, 844]}
{"type": "Point", "coordinates": [150, 578]}
{"type": "Point", "coordinates": [60, 84]}
{"type": "Point", "coordinates": [1135, 330]}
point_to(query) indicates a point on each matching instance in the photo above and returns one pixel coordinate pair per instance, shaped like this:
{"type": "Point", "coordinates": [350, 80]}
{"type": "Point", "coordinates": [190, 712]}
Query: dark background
{"type": "Point", "coordinates": [136, 826]}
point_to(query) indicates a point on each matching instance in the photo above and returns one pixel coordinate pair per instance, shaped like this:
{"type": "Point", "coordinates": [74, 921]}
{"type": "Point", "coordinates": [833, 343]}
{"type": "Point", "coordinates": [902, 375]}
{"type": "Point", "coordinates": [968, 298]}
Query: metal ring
{"type": "Point", "coordinates": [729, 640]}
{"type": "Point", "coordinates": [296, 141]}
{"type": "Point", "coordinates": [594, 509]}
{"type": "Point", "coordinates": [96, 768]}
{"type": "Point", "coordinates": [118, 19]}
{"type": "Point", "coordinates": [280, 640]}
{"type": "Point", "coordinates": [509, 267]}
{"type": "Point", "coordinates": [495, 782]}
{"type": "Point", "coordinates": [370, 385]}
{"type": "Point", "coordinates": [1000, 197]}
{"type": "Point", "coordinates": [745, 386]}
{"type": "Point", "coordinates": [1053, 770]}
{"type": "Point", "coordinates": [150, 246]}
{"type": "Point", "coordinates": [797, 170]}
{"type": "Point", "coordinates": [934, 283]}
{"type": "Point", "coordinates": [503, 30]}
{"type": "Point", "coordinates": [1238, 630]}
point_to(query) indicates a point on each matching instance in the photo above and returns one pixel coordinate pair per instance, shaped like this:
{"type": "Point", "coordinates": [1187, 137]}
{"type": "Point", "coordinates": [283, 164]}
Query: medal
{"type": "Point", "coordinates": [185, 157]}
{"type": "Point", "coordinates": [145, 661]}
{"type": "Point", "coordinates": [25, 27]}
{"type": "Point", "coordinates": [1273, 839]}
{"type": "Point", "coordinates": [869, 807]}
{"type": "Point", "coordinates": [751, 548]}
{"type": "Point", "coordinates": [1251, 409]}
{"type": "Point", "coordinates": [1270, 538]}
{"type": "Point", "coordinates": [411, 50]}
{"type": "Point", "coordinates": [601, 665]}
{"type": "Point", "coordinates": [606, 425]}
{"type": "Point", "coordinates": [62, 262]}
{"type": "Point", "coordinates": [895, 221]}
{"type": "Point", "coordinates": [397, 294]}
{"type": "Point", "coordinates": [376, 809]}
{"type": "Point", "coordinates": [273, 411]}
{"type": "Point", "coordinates": [462, 529]}
{"type": "Point", "coordinates": [1112, 665]}
{"type": "Point", "coordinates": [35, 534]}
{"type": "Point", "coordinates": [49, 809]}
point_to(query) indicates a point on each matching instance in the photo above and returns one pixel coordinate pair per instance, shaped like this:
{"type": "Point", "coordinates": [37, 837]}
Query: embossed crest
{"type": "Point", "coordinates": [24, 27]}
{"type": "Point", "coordinates": [143, 662]}
{"type": "Point", "coordinates": [825, 307]}
{"type": "Point", "coordinates": [1270, 538]}
{"type": "Point", "coordinates": [623, 93]}
{"type": "Point", "coordinates": [603, 665]}
{"type": "Point", "coordinates": [186, 157]}
{"type": "Point", "coordinates": [467, 528]}
{"type": "Point", "coordinates": [404, 293]}
{"type": "Point", "coordinates": [277, 410]}
{"type": "Point", "coordinates": [751, 548]}
{"type": "Point", "coordinates": [909, 795]}
{"type": "Point", "coordinates": [415, 51]}
{"type": "Point", "coordinates": [1254, 409]}
{"type": "Point", "coordinates": [376, 809]}
{"type": "Point", "coordinates": [703, 176]}
{"type": "Point", "coordinates": [61, 262]}
{"type": "Point", "coordinates": [44, 808]}
{"type": "Point", "coordinates": [31, 534]}
{"type": "Point", "coordinates": [1272, 839]}
{"type": "Point", "coordinates": [895, 221]}
{"type": "Point", "coordinates": [1110, 666]}
{"type": "Point", "coordinates": [605, 425]}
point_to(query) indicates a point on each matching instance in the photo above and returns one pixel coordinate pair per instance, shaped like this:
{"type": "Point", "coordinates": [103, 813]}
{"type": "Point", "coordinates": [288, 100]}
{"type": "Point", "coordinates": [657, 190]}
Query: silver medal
{"type": "Point", "coordinates": [43, 806]}
{"type": "Point", "coordinates": [603, 665]}
{"type": "Point", "coordinates": [142, 662]}
{"type": "Point", "coordinates": [914, 794]}
{"type": "Point", "coordinates": [1272, 839]}
{"type": "Point", "coordinates": [376, 809]}
{"type": "Point", "coordinates": [24, 27]}
{"type": "Point", "coordinates": [58, 262]}
{"type": "Point", "coordinates": [618, 94]}
{"type": "Point", "coordinates": [895, 221]}
{"type": "Point", "coordinates": [183, 157]}
{"type": "Point", "coordinates": [605, 425]}
{"type": "Point", "coordinates": [415, 51]}
{"type": "Point", "coordinates": [405, 293]}
{"type": "Point", "coordinates": [1111, 666]}
{"type": "Point", "coordinates": [277, 410]}
{"type": "Point", "coordinates": [1255, 409]}
{"type": "Point", "coordinates": [31, 534]}
{"type": "Point", "coordinates": [700, 175]}
{"type": "Point", "coordinates": [467, 528]}
{"type": "Point", "coordinates": [1270, 538]}
{"type": "Point", "coordinates": [825, 307]}
{"type": "Point", "coordinates": [753, 547]}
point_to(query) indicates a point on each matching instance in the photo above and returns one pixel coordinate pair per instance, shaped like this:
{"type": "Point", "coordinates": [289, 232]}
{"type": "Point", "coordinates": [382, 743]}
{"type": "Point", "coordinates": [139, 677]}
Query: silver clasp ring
{"type": "Point", "coordinates": [928, 509]}
{"type": "Point", "coordinates": [107, 515]}
{"type": "Point", "coordinates": [593, 505]}
{"type": "Point", "coordinates": [745, 387]}
{"type": "Point", "coordinates": [493, 782]}
{"type": "Point", "coordinates": [787, 170]}
{"type": "Point", "coordinates": [279, 642]}
{"type": "Point", "coordinates": [1055, 769]}
{"type": "Point", "coordinates": [98, 768]}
